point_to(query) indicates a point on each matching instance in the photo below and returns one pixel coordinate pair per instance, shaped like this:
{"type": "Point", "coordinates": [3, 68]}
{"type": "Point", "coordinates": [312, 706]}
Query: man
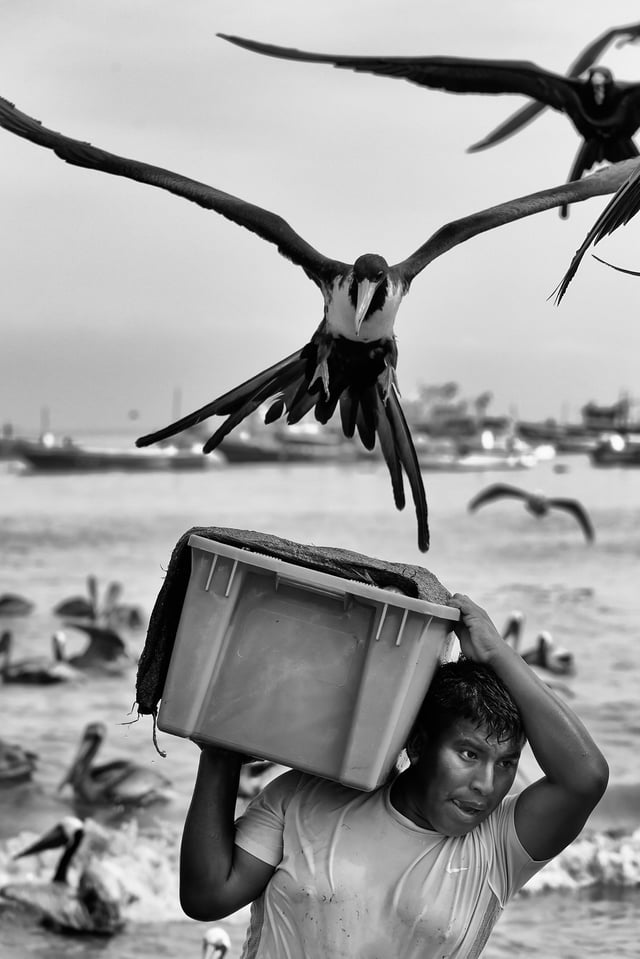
{"type": "Point", "coordinates": [423, 866]}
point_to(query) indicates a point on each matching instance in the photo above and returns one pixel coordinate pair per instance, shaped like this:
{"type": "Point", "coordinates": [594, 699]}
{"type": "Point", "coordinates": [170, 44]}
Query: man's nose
{"type": "Point", "coordinates": [483, 779]}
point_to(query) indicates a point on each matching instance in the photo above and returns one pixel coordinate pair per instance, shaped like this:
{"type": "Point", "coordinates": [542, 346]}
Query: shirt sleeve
{"type": "Point", "coordinates": [513, 867]}
{"type": "Point", "coordinates": [260, 828]}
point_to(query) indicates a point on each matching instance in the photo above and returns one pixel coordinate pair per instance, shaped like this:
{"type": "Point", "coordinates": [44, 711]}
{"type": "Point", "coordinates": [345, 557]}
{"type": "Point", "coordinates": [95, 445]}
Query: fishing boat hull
{"type": "Point", "coordinates": [72, 458]}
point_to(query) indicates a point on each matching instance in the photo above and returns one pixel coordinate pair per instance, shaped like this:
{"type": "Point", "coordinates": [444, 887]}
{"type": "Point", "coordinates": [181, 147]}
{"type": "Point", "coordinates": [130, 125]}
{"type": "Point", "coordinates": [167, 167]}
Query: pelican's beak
{"type": "Point", "coordinates": [53, 839]}
{"type": "Point", "coordinates": [366, 290]}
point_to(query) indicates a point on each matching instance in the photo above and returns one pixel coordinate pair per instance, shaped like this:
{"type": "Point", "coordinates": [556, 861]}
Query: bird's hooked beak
{"type": "Point", "coordinates": [366, 291]}
{"type": "Point", "coordinates": [53, 839]}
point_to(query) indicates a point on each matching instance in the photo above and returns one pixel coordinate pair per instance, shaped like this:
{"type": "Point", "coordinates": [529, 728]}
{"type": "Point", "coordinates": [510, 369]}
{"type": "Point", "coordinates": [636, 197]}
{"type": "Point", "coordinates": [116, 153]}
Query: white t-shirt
{"type": "Point", "coordinates": [355, 878]}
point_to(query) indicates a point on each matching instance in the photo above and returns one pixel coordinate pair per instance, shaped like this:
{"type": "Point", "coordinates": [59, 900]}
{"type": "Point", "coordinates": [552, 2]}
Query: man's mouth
{"type": "Point", "coordinates": [468, 808]}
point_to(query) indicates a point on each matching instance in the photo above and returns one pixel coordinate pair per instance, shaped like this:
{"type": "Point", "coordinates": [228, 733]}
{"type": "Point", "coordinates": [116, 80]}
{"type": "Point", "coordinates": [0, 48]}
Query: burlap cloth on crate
{"type": "Point", "coordinates": [154, 661]}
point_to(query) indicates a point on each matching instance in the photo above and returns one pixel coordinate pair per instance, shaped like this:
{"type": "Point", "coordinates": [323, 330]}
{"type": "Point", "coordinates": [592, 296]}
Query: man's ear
{"type": "Point", "coordinates": [415, 745]}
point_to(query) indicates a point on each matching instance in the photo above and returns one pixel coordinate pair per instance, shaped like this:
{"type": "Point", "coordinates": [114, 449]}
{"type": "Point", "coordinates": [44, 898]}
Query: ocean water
{"type": "Point", "coordinates": [57, 530]}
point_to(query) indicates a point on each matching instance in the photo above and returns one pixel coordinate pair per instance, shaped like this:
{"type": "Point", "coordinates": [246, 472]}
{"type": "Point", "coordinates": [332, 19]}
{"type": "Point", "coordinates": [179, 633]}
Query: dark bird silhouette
{"type": "Point", "coordinates": [16, 764]}
{"type": "Point", "coordinates": [35, 670]}
{"type": "Point", "coordinates": [92, 905]}
{"type": "Point", "coordinates": [604, 112]}
{"type": "Point", "coordinates": [585, 59]}
{"type": "Point", "coordinates": [621, 208]}
{"type": "Point", "coordinates": [11, 604]}
{"type": "Point", "coordinates": [350, 360]}
{"type": "Point", "coordinates": [536, 503]}
{"type": "Point", "coordinates": [105, 650]}
{"type": "Point", "coordinates": [109, 611]}
{"type": "Point", "coordinates": [120, 782]}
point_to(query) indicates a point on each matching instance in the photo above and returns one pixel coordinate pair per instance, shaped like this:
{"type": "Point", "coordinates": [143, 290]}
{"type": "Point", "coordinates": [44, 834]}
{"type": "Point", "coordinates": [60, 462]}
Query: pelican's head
{"type": "Point", "coordinates": [512, 631]}
{"type": "Point", "coordinates": [554, 658]}
{"type": "Point", "coordinates": [215, 943]}
{"type": "Point", "coordinates": [368, 287]}
{"type": "Point", "coordinates": [600, 79]}
{"type": "Point", "coordinates": [68, 830]}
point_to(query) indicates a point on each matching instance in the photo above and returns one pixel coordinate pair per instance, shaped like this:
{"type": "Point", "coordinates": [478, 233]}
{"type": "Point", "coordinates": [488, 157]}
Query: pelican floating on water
{"type": "Point", "coordinates": [11, 604]}
{"type": "Point", "coordinates": [604, 112]}
{"type": "Point", "coordinates": [16, 764]}
{"type": "Point", "coordinates": [120, 782]}
{"type": "Point", "coordinates": [350, 361]}
{"type": "Point", "coordinates": [546, 654]}
{"type": "Point", "coordinates": [105, 651]}
{"type": "Point", "coordinates": [110, 611]}
{"type": "Point", "coordinates": [215, 943]}
{"type": "Point", "coordinates": [93, 905]}
{"type": "Point", "coordinates": [537, 504]}
{"type": "Point", "coordinates": [36, 670]}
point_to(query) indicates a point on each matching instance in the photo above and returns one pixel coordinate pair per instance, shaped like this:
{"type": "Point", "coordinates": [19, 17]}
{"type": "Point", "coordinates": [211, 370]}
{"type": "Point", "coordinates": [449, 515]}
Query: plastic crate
{"type": "Point", "coordinates": [308, 669]}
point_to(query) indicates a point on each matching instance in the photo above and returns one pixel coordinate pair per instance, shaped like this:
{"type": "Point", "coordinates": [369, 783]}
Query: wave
{"type": "Point", "coordinates": [146, 866]}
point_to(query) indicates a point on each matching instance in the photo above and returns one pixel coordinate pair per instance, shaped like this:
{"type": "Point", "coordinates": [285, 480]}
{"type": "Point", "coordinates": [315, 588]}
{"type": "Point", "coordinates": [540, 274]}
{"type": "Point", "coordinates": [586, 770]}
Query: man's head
{"type": "Point", "coordinates": [464, 749]}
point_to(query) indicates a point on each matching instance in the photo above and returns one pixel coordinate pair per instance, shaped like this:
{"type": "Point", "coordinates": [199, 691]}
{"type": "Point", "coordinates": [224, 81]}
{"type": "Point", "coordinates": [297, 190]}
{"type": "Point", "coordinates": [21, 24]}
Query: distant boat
{"type": "Point", "coordinates": [617, 450]}
{"type": "Point", "coordinates": [452, 455]}
{"type": "Point", "coordinates": [302, 443]}
{"type": "Point", "coordinates": [68, 456]}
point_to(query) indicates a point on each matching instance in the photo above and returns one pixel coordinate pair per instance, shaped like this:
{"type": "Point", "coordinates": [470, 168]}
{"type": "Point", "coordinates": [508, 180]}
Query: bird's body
{"type": "Point", "coordinates": [12, 604]}
{"type": "Point", "coordinates": [585, 59]}
{"type": "Point", "coordinates": [545, 654]}
{"type": "Point", "coordinates": [350, 360]}
{"type": "Point", "coordinates": [535, 503]}
{"type": "Point", "coordinates": [91, 905]}
{"type": "Point", "coordinates": [120, 782]}
{"type": "Point", "coordinates": [16, 764]}
{"type": "Point", "coordinates": [604, 112]}
{"type": "Point", "coordinates": [34, 670]}
{"type": "Point", "coordinates": [105, 651]}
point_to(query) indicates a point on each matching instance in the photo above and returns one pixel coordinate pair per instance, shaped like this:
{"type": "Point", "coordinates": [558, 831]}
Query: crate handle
{"type": "Point", "coordinates": [214, 562]}
{"type": "Point", "coordinates": [334, 593]}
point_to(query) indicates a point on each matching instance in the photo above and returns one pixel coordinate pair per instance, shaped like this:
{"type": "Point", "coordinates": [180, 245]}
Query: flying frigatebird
{"type": "Point", "coordinates": [351, 358]}
{"type": "Point", "coordinates": [585, 59]}
{"type": "Point", "coordinates": [536, 503]}
{"type": "Point", "coordinates": [604, 111]}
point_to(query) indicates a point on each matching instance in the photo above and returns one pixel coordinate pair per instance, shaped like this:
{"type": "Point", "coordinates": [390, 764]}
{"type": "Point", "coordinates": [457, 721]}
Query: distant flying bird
{"type": "Point", "coordinates": [536, 503]}
{"type": "Point", "coordinates": [525, 115]}
{"type": "Point", "coordinates": [120, 782]}
{"type": "Point", "coordinates": [605, 112]}
{"type": "Point", "coordinates": [351, 358]}
{"type": "Point", "coordinates": [621, 208]}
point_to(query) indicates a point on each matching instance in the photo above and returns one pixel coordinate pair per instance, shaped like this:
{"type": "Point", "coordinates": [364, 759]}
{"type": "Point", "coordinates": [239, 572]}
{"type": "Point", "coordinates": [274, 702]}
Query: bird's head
{"type": "Point", "coordinates": [68, 830]}
{"type": "Point", "coordinates": [368, 287]}
{"type": "Point", "coordinates": [554, 658]}
{"type": "Point", "coordinates": [601, 80]}
{"type": "Point", "coordinates": [215, 943]}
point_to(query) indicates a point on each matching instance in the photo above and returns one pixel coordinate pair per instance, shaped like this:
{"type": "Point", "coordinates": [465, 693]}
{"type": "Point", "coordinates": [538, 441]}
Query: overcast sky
{"type": "Point", "coordinates": [114, 294]}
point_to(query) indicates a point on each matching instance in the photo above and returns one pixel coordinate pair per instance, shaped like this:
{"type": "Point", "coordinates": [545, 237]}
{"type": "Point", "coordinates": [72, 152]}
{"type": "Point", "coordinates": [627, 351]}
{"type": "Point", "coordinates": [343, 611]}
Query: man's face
{"type": "Point", "coordinates": [463, 776]}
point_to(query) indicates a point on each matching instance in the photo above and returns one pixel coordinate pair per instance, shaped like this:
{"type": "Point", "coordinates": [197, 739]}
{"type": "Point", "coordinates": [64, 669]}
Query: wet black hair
{"type": "Point", "coordinates": [467, 690]}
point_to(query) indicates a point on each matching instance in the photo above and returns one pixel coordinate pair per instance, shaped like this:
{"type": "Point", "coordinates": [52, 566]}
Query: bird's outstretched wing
{"type": "Point", "coordinates": [454, 74]}
{"type": "Point", "coordinates": [578, 511]}
{"type": "Point", "coordinates": [269, 226]}
{"type": "Point", "coordinates": [521, 118]}
{"type": "Point", "coordinates": [458, 231]}
{"type": "Point", "coordinates": [493, 492]}
{"type": "Point", "coordinates": [622, 208]}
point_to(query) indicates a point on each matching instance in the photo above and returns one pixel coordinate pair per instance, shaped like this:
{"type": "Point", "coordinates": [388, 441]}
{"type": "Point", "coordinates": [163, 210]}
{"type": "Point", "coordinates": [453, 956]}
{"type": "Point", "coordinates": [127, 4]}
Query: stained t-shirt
{"type": "Point", "coordinates": [355, 878]}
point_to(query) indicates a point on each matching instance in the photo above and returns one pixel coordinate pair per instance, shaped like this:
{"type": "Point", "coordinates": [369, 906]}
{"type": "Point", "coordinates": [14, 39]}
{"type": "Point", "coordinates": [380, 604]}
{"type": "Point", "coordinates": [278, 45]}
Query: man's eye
{"type": "Point", "coordinates": [468, 754]}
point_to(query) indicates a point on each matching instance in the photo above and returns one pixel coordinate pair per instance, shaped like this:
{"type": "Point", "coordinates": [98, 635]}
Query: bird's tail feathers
{"type": "Point", "coordinates": [389, 450]}
{"type": "Point", "coordinates": [349, 403]}
{"type": "Point", "coordinates": [409, 459]}
{"type": "Point", "coordinates": [267, 383]}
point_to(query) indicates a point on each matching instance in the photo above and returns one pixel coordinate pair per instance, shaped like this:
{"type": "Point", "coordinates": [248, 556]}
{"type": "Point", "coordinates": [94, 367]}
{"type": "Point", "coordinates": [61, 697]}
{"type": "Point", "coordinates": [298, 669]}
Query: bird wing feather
{"type": "Point", "coordinates": [624, 205]}
{"type": "Point", "coordinates": [409, 459]}
{"type": "Point", "coordinates": [269, 226]}
{"type": "Point", "coordinates": [454, 74]}
{"type": "Point", "coordinates": [458, 231]}
{"type": "Point", "coordinates": [577, 510]}
{"type": "Point", "coordinates": [496, 491]}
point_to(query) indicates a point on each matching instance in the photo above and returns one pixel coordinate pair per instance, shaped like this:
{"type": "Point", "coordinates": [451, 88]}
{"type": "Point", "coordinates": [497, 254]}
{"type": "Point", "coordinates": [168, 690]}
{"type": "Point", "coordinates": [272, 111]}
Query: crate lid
{"type": "Point", "coordinates": [325, 582]}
